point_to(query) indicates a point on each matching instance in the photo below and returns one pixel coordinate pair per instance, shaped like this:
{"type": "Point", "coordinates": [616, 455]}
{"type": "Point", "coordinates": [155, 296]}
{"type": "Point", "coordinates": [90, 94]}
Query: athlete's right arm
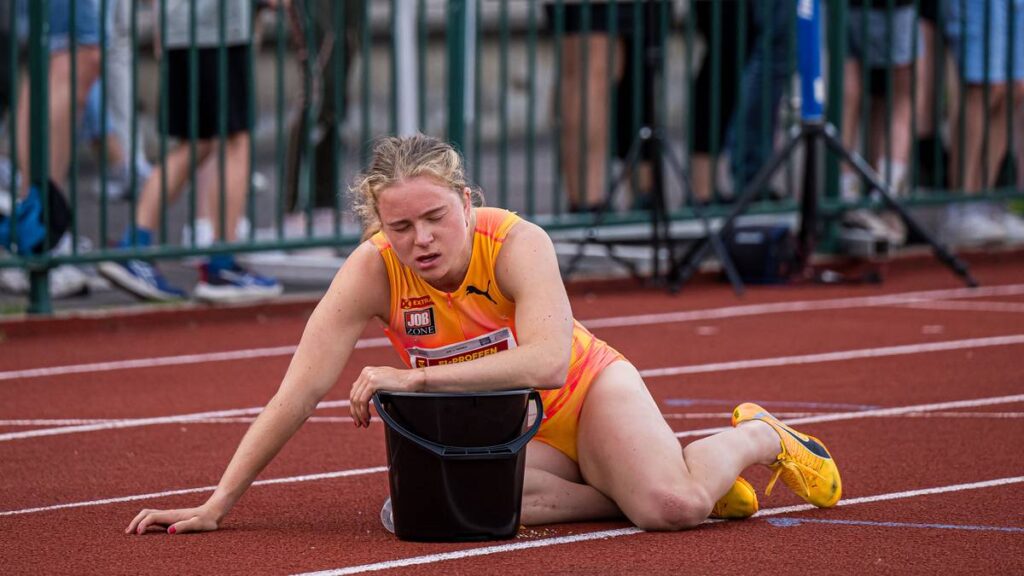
{"type": "Point", "coordinates": [359, 292]}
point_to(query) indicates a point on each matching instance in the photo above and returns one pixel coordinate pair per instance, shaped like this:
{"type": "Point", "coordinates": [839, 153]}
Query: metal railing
{"type": "Point", "coordinates": [518, 85]}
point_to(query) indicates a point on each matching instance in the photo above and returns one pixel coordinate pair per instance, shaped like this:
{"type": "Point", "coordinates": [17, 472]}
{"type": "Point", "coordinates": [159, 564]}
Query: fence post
{"type": "Point", "coordinates": [834, 108]}
{"type": "Point", "coordinates": [38, 132]}
{"type": "Point", "coordinates": [456, 41]}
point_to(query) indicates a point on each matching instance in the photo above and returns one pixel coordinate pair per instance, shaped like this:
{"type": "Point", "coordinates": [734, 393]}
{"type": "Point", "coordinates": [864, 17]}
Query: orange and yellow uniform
{"type": "Point", "coordinates": [431, 327]}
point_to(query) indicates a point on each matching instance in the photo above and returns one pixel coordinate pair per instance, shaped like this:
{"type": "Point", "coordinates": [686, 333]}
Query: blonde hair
{"type": "Point", "coordinates": [396, 159]}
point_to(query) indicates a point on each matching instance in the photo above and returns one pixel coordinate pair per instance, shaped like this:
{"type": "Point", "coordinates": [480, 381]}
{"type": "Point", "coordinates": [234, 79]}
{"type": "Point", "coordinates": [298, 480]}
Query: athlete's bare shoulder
{"type": "Point", "coordinates": [361, 283]}
{"type": "Point", "coordinates": [527, 256]}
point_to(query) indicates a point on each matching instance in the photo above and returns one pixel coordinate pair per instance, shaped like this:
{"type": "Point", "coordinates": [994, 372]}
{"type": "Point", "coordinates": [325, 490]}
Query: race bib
{"type": "Point", "coordinates": [464, 351]}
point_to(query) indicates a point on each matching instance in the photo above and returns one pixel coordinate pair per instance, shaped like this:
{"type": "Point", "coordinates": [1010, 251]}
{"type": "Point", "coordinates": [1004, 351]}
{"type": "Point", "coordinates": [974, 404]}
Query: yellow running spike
{"type": "Point", "coordinates": [739, 502]}
{"type": "Point", "coordinates": [804, 463]}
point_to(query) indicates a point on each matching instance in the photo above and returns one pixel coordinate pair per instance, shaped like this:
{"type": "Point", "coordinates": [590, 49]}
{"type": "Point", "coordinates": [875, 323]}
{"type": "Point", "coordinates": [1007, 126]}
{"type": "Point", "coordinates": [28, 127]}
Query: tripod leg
{"type": "Point", "coordinates": [944, 255]}
{"type": "Point", "coordinates": [807, 238]}
{"type": "Point", "coordinates": [591, 232]}
{"type": "Point", "coordinates": [712, 237]}
{"type": "Point", "coordinates": [685, 267]}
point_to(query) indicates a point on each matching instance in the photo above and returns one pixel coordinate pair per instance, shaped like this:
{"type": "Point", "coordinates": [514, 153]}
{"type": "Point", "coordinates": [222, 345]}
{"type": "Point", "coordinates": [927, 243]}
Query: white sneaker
{"type": "Point", "coordinates": [972, 228]}
{"type": "Point", "coordinates": [13, 281]}
{"type": "Point", "coordinates": [896, 227]}
{"type": "Point", "coordinates": [1012, 224]}
{"type": "Point", "coordinates": [868, 221]}
{"type": "Point", "coordinates": [65, 281]}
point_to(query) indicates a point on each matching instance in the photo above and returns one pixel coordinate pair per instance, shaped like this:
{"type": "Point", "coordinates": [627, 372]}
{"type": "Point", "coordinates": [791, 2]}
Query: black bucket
{"type": "Point", "coordinates": [456, 462]}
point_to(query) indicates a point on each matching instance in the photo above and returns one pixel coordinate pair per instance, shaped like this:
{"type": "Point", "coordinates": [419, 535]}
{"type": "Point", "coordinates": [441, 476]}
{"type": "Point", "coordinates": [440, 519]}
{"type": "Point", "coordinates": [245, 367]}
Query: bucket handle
{"type": "Point", "coordinates": [498, 451]}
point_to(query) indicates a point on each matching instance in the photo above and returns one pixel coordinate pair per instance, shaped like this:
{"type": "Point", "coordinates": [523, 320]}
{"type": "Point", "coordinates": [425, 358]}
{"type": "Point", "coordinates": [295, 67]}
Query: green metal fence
{"type": "Point", "coordinates": [544, 99]}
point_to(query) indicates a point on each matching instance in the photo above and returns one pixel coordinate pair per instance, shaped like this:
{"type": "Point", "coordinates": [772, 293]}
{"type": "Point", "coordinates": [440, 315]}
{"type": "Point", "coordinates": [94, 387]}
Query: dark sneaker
{"type": "Point", "coordinates": [234, 285]}
{"type": "Point", "coordinates": [27, 230]}
{"type": "Point", "coordinates": [141, 279]}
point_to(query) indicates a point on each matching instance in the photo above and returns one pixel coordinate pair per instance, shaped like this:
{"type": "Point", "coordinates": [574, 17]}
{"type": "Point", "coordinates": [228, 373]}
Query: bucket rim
{"type": "Point", "coordinates": [481, 393]}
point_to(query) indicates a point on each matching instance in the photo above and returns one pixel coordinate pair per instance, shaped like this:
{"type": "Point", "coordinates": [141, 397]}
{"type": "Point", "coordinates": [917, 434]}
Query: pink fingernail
{"type": "Point", "coordinates": [171, 530]}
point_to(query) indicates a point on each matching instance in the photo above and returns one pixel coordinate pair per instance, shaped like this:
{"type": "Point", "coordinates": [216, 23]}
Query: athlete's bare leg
{"type": "Point", "coordinates": [628, 452]}
{"type": "Point", "coordinates": [554, 491]}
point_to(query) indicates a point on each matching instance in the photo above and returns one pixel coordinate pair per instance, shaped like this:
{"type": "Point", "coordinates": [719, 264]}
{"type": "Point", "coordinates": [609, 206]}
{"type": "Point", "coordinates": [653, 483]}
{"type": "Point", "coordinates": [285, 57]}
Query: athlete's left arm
{"type": "Point", "coordinates": [527, 273]}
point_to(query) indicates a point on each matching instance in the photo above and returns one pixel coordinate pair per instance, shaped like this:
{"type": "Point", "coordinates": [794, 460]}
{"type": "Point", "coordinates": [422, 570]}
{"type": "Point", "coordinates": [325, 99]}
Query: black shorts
{"type": "Point", "coordinates": [930, 10]}
{"type": "Point", "coordinates": [237, 75]}
{"type": "Point", "coordinates": [600, 17]}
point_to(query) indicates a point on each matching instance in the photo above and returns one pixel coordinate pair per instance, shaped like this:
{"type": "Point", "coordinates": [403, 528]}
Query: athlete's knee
{"type": "Point", "coordinates": [664, 509]}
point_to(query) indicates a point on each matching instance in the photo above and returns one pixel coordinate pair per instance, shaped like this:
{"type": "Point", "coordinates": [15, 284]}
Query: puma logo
{"type": "Point", "coordinates": [485, 293]}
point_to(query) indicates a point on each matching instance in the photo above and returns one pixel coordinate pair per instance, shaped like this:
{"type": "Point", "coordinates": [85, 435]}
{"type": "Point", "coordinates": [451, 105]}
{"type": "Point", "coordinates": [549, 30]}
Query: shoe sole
{"type": "Point", "coordinates": [125, 280]}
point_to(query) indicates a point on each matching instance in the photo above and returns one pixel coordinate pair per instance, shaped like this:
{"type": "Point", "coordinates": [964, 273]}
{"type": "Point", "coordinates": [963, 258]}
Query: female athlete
{"type": "Point", "coordinates": [452, 281]}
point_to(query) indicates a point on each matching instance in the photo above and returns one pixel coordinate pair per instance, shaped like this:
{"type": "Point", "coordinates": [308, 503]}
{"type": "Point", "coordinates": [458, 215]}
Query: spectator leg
{"type": "Point", "coordinates": [236, 160]}
{"type": "Point", "coordinates": [594, 151]}
{"type": "Point", "coordinates": [147, 214]}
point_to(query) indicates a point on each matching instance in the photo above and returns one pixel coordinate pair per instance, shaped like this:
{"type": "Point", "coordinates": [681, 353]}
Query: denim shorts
{"type": "Point", "coordinates": [87, 23]}
{"type": "Point", "coordinates": [868, 30]}
{"type": "Point", "coordinates": [965, 28]}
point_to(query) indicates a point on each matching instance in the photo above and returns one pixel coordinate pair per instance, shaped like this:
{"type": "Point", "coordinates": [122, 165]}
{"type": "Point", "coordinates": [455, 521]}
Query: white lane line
{"type": "Point", "coordinates": [152, 495]}
{"type": "Point", "coordinates": [650, 373]}
{"type": "Point", "coordinates": [472, 552]}
{"type": "Point", "coordinates": [787, 416]}
{"type": "Point", "coordinates": [704, 432]}
{"type": "Point", "coordinates": [608, 534]}
{"type": "Point", "coordinates": [897, 495]}
{"type": "Point", "coordinates": [669, 416]}
{"type": "Point", "coordinates": [619, 321]}
{"type": "Point", "coordinates": [136, 422]}
{"type": "Point", "coordinates": [170, 360]}
{"type": "Point", "coordinates": [837, 356]}
{"type": "Point", "coordinates": [1001, 307]}
{"type": "Point", "coordinates": [806, 306]}
{"type": "Point", "coordinates": [235, 420]}
{"type": "Point", "coordinates": [877, 413]}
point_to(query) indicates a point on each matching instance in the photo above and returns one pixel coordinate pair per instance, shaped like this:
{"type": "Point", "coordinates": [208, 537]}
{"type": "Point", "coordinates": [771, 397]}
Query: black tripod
{"type": "Point", "coordinates": [810, 132]}
{"type": "Point", "coordinates": [660, 232]}
{"type": "Point", "coordinates": [811, 129]}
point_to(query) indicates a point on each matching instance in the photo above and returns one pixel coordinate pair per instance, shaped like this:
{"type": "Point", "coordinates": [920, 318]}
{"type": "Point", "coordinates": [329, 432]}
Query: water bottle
{"type": "Point", "coordinates": [386, 518]}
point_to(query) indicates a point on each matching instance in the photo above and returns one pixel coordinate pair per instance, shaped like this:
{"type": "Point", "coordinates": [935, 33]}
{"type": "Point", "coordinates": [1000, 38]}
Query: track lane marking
{"type": "Point", "coordinates": [1000, 307]}
{"type": "Point", "coordinates": [841, 356]}
{"type": "Point", "coordinates": [153, 421]}
{"type": "Point", "coordinates": [667, 415]}
{"type": "Point", "coordinates": [836, 356]}
{"type": "Point", "coordinates": [880, 412]}
{"type": "Point", "coordinates": [608, 534]}
{"type": "Point", "coordinates": [649, 373]}
{"type": "Point", "coordinates": [792, 522]}
{"type": "Point", "coordinates": [703, 432]}
{"type": "Point", "coordinates": [152, 495]}
{"type": "Point", "coordinates": [612, 322]}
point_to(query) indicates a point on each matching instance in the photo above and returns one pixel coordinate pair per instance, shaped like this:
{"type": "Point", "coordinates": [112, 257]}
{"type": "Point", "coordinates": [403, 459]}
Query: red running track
{"type": "Point", "coordinates": [914, 384]}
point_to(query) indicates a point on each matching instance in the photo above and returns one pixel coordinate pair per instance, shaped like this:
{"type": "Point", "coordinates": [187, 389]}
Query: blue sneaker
{"type": "Point", "coordinates": [141, 279]}
{"type": "Point", "coordinates": [29, 229]}
{"type": "Point", "coordinates": [233, 285]}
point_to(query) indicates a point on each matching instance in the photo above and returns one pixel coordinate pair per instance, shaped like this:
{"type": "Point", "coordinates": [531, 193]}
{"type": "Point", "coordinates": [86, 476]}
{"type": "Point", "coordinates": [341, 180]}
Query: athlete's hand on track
{"type": "Point", "coordinates": [173, 521]}
{"type": "Point", "coordinates": [374, 378]}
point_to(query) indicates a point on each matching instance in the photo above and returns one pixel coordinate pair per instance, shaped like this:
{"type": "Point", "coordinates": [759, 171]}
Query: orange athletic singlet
{"type": "Point", "coordinates": [430, 327]}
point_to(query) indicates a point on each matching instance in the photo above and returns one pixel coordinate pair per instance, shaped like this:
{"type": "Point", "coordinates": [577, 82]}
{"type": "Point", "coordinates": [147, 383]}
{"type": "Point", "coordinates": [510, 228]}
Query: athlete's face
{"type": "Point", "coordinates": [428, 226]}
